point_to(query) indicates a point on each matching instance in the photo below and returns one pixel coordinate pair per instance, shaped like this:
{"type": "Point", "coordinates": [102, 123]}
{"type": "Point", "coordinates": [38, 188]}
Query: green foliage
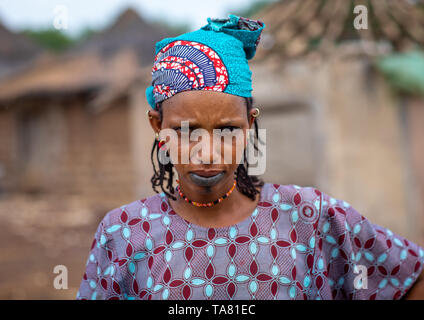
{"type": "Point", "coordinates": [404, 71]}
{"type": "Point", "coordinates": [314, 43]}
{"type": "Point", "coordinates": [51, 39]}
{"type": "Point", "coordinates": [56, 40]}
{"type": "Point", "coordinates": [85, 34]}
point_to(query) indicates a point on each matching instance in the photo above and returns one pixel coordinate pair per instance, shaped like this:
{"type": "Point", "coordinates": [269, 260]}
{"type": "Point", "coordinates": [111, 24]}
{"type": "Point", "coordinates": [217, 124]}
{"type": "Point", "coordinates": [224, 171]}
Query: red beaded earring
{"type": "Point", "coordinates": [161, 142]}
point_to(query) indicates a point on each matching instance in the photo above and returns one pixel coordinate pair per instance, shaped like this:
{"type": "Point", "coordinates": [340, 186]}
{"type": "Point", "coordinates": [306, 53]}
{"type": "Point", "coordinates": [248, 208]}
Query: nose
{"type": "Point", "coordinates": [207, 150]}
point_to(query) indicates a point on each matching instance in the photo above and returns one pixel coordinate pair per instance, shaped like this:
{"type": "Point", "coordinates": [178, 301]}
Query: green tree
{"type": "Point", "coordinates": [51, 39]}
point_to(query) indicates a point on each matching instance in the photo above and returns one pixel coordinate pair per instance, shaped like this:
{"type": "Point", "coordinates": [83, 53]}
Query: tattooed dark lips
{"type": "Point", "coordinates": [207, 173]}
{"type": "Point", "coordinates": [205, 178]}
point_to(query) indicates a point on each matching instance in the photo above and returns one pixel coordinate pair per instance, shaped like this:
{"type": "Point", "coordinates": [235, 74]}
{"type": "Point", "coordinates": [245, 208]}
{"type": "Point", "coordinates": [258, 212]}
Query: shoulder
{"type": "Point", "coordinates": [135, 211]}
{"type": "Point", "coordinates": [300, 202]}
{"type": "Point", "coordinates": [291, 194]}
{"type": "Point", "coordinates": [310, 202]}
{"type": "Point", "coordinates": [299, 194]}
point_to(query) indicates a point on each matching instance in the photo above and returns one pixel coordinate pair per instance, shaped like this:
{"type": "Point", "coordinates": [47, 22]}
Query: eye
{"type": "Point", "coordinates": [231, 128]}
{"type": "Point", "coordinates": [180, 130]}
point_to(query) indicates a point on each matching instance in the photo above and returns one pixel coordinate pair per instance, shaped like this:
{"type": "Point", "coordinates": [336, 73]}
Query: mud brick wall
{"type": "Point", "coordinates": [7, 156]}
{"type": "Point", "coordinates": [98, 160]}
{"type": "Point", "coordinates": [77, 152]}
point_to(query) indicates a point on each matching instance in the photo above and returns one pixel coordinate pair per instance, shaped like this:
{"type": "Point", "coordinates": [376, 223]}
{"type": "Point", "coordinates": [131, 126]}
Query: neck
{"type": "Point", "coordinates": [230, 211]}
{"type": "Point", "coordinates": [210, 203]}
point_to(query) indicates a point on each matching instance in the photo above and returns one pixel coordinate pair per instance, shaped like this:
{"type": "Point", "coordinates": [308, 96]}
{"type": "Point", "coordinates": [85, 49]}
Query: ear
{"type": "Point", "coordinates": [251, 117]}
{"type": "Point", "coordinates": [155, 120]}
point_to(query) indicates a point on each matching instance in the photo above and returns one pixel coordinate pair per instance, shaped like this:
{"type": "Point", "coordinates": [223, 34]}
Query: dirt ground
{"type": "Point", "coordinates": [39, 233]}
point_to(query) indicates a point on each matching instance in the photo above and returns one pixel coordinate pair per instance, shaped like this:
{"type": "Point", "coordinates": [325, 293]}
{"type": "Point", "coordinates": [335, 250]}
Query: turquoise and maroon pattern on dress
{"type": "Point", "coordinates": [299, 243]}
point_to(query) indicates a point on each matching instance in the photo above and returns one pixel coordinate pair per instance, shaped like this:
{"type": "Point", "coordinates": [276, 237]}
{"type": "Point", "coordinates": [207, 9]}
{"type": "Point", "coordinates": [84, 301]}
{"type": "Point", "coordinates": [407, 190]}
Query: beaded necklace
{"type": "Point", "coordinates": [208, 204]}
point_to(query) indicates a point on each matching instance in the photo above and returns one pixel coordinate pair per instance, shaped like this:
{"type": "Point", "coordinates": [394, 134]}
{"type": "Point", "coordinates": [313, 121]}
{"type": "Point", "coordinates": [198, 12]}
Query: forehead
{"type": "Point", "coordinates": [204, 105]}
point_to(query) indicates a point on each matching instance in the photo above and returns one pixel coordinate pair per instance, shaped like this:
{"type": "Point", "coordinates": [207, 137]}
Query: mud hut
{"type": "Point", "coordinates": [59, 137]}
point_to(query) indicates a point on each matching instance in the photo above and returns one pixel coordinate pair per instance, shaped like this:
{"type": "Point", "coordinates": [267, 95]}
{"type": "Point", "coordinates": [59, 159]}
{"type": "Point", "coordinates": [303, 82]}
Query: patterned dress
{"type": "Point", "coordinates": [299, 243]}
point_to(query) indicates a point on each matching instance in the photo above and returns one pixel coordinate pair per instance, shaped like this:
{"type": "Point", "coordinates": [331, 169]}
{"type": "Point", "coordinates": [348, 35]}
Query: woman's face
{"type": "Point", "coordinates": [207, 165]}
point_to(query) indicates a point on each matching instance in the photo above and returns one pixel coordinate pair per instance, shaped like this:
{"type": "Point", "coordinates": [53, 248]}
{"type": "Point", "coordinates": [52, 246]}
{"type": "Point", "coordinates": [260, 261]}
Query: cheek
{"type": "Point", "coordinates": [235, 147]}
{"type": "Point", "coordinates": [174, 152]}
{"type": "Point", "coordinates": [179, 150]}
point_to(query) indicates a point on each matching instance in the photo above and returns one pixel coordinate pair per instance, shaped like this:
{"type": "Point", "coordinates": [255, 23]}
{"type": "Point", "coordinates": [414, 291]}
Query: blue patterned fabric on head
{"type": "Point", "coordinates": [215, 58]}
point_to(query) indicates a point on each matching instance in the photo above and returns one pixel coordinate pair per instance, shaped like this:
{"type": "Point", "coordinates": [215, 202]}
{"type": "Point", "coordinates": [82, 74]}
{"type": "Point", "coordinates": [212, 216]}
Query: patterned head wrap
{"type": "Point", "coordinates": [211, 58]}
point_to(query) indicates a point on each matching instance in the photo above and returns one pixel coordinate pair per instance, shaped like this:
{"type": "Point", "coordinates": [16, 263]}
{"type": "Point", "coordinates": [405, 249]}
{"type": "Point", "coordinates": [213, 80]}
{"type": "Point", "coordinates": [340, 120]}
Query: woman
{"type": "Point", "coordinates": [222, 233]}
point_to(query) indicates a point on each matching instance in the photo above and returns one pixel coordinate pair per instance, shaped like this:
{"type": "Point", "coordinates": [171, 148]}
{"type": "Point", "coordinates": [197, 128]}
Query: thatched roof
{"type": "Point", "coordinates": [69, 75]}
{"type": "Point", "coordinates": [297, 27]}
{"type": "Point", "coordinates": [15, 51]}
{"type": "Point", "coordinates": [129, 30]}
{"type": "Point", "coordinates": [109, 60]}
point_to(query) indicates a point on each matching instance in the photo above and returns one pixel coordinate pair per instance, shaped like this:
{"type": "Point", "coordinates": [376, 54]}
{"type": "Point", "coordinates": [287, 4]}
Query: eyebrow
{"type": "Point", "coordinates": [222, 122]}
